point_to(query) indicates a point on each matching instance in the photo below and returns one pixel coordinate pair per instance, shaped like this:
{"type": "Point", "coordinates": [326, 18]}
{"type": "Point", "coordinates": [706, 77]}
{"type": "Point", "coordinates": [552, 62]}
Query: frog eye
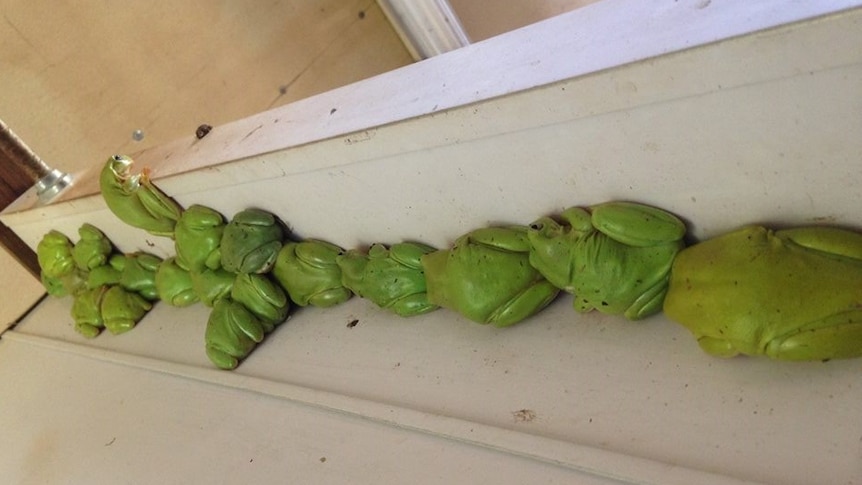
{"type": "Point", "coordinates": [537, 226]}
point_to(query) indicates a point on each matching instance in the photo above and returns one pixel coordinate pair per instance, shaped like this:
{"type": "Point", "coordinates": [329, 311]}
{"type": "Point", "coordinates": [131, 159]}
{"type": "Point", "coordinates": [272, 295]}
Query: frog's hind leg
{"type": "Point", "coordinates": [835, 337]}
{"type": "Point", "coordinates": [717, 347]}
{"type": "Point", "coordinates": [649, 303]}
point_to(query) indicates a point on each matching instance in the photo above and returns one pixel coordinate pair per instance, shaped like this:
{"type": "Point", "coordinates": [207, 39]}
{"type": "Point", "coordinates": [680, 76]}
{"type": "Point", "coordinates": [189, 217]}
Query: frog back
{"type": "Point", "coordinates": [750, 287]}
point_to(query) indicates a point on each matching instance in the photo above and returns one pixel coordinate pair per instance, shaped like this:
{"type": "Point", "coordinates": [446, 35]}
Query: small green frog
{"type": "Point", "coordinates": [174, 284]}
{"type": "Point", "coordinates": [232, 333]}
{"type": "Point", "coordinates": [197, 236]}
{"type": "Point", "coordinates": [487, 277]}
{"type": "Point", "coordinates": [135, 200]}
{"type": "Point", "coordinates": [263, 297]}
{"type": "Point", "coordinates": [309, 273]}
{"type": "Point", "coordinates": [391, 278]}
{"type": "Point", "coordinates": [794, 294]}
{"type": "Point", "coordinates": [251, 242]}
{"type": "Point", "coordinates": [93, 248]}
{"type": "Point", "coordinates": [54, 254]}
{"type": "Point", "coordinates": [87, 311]}
{"type": "Point", "coordinates": [122, 309]}
{"type": "Point", "coordinates": [615, 258]}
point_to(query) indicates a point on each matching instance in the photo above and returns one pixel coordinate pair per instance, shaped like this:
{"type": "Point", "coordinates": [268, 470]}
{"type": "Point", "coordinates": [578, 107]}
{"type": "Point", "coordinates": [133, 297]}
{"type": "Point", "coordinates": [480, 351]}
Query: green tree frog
{"type": "Point", "coordinates": [87, 311]}
{"type": "Point", "coordinates": [197, 236]}
{"type": "Point", "coordinates": [794, 294]}
{"type": "Point", "coordinates": [615, 258]}
{"type": "Point", "coordinates": [391, 278]}
{"type": "Point", "coordinates": [135, 200]}
{"type": "Point", "coordinates": [251, 242]}
{"type": "Point", "coordinates": [54, 254]}
{"type": "Point", "coordinates": [308, 271]}
{"type": "Point", "coordinates": [93, 248]}
{"type": "Point", "coordinates": [487, 277]}
{"type": "Point", "coordinates": [232, 333]}
{"type": "Point", "coordinates": [122, 309]}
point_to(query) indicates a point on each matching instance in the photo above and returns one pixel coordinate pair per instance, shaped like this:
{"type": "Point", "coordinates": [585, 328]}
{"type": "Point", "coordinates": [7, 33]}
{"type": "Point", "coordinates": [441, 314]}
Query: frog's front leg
{"type": "Point", "coordinates": [830, 240]}
{"type": "Point", "coordinates": [513, 238]}
{"type": "Point", "coordinates": [837, 336]}
{"type": "Point", "coordinates": [220, 358]}
{"type": "Point", "coordinates": [635, 224]}
{"type": "Point", "coordinates": [412, 305]}
{"type": "Point", "coordinates": [157, 203]}
{"type": "Point", "coordinates": [409, 254]}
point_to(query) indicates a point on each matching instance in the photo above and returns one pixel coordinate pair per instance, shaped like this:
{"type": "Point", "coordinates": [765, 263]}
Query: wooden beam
{"type": "Point", "coordinates": [19, 250]}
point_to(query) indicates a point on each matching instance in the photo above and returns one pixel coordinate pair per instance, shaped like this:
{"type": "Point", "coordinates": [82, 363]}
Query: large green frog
{"type": "Point", "coordinates": [794, 294]}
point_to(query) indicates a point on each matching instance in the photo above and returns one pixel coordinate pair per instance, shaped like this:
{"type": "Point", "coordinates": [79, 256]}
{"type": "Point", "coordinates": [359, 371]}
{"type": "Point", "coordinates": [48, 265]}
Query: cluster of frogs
{"type": "Point", "coordinates": [794, 294]}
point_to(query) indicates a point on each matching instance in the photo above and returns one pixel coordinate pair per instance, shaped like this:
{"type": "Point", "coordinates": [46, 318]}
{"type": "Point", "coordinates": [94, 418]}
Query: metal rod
{"type": "Point", "coordinates": [19, 153]}
{"type": "Point", "coordinates": [48, 181]}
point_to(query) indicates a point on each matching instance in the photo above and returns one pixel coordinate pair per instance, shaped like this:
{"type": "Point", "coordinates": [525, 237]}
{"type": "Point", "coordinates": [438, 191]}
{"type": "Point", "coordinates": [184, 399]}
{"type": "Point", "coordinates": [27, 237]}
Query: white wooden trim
{"type": "Point", "coordinates": [599, 36]}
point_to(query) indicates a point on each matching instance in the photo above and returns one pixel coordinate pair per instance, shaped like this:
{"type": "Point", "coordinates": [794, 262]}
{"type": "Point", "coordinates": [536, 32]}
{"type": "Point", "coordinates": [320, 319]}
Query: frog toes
{"type": "Point", "coordinates": [221, 359]}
